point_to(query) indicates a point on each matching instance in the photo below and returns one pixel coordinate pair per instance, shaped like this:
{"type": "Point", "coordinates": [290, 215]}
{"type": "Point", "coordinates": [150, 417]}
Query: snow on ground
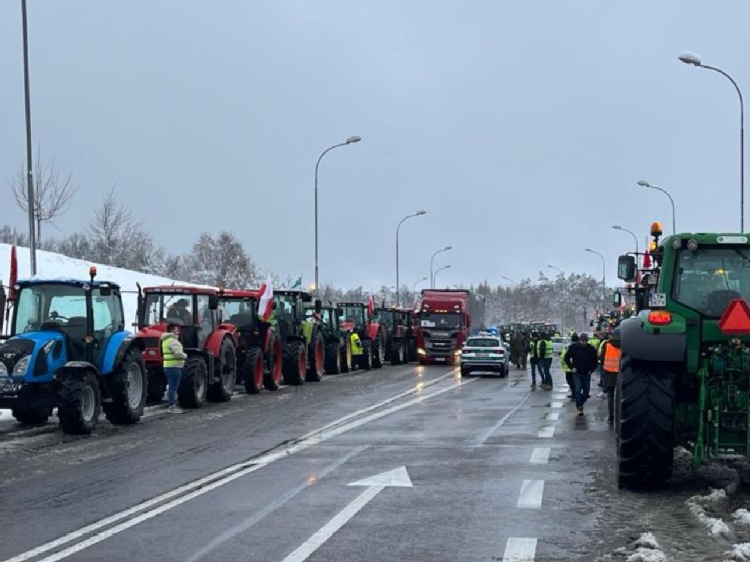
{"type": "Point", "coordinates": [741, 517]}
{"type": "Point", "coordinates": [739, 552]}
{"type": "Point", "coordinates": [647, 550]}
{"type": "Point", "coordinates": [51, 265]}
{"type": "Point", "coordinates": [697, 506]}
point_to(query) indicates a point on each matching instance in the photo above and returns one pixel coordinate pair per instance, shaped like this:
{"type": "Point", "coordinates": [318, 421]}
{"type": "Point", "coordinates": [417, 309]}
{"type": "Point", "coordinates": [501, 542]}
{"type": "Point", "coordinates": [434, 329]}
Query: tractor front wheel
{"type": "Point", "coordinates": [316, 354]}
{"type": "Point", "coordinates": [78, 403]}
{"type": "Point", "coordinates": [398, 352]}
{"type": "Point", "coordinates": [645, 409]}
{"type": "Point", "coordinates": [365, 360]}
{"type": "Point", "coordinates": [127, 388]}
{"type": "Point", "coordinates": [295, 363]}
{"type": "Point", "coordinates": [378, 351]}
{"type": "Point", "coordinates": [222, 389]}
{"type": "Point", "coordinates": [193, 386]}
{"type": "Point", "coordinates": [32, 414]}
{"type": "Point", "coordinates": [347, 359]}
{"type": "Point", "coordinates": [333, 358]}
{"type": "Point", "coordinates": [253, 370]}
{"type": "Point", "coordinates": [156, 386]}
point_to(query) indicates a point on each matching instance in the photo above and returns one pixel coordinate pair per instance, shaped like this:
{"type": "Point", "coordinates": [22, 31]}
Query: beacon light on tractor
{"type": "Point", "coordinates": [685, 366]}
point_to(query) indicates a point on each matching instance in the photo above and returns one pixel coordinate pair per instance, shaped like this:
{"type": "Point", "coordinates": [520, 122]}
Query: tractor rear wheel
{"type": "Point", "coordinates": [378, 350]}
{"type": "Point", "coordinates": [253, 370]}
{"type": "Point", "coordinates": [347, 359]}
{"type": "Point", "coordinates": [398, 352]}
{"type": "Point", "coordinates": [78, 403]}
{"type": "Point", "coordinates": [222, 389]}
{"type": "Point", "coordinates": [316, 355]}
{"type": "Point", "coordinates": [157, 385]}
{"type": "Point", "coordinates": [193, 386]}
{"type": "Point", "coordinates": [127, 388]}
{"type": "Point", "coordinates": [295, 363]}
{"type": "Point", "coordinates": [333, 358]}
{"type": "Point", "coordinates": [645, 423]}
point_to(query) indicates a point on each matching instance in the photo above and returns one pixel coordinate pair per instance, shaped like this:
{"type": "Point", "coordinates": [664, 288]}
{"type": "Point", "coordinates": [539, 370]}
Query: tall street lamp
{"type": "Point", "coordinates": [565, 297]}
{"type": "Point", "coordinates": [417, 282]}
{"type": "Point", "coordinates": [514, 295]}
{"type": "Point", "coordinates": [350, 140]}
{"type": "Point", "coordinates": [417, 214]}
{"type": "Point", "coordinates": [29, 166]}
{"type": "Point", "coordinates": [438, 270]}
{"type": "Point", "coordinates": [618, 227]}
{"type": "Point", "coordinates": [432, 259]}
{"type": "Point", "coordinates": [695, 60]}
{"type": "Point", "coordinates": [604, 278]}
{"type": "Point", "coordinates": [644, 183]}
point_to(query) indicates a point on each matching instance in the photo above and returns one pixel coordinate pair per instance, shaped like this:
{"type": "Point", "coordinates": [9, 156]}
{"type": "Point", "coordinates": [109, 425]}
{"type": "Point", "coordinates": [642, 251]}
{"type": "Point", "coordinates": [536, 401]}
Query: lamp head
{"type": "Point", "coordinates": [353, 139]}
{"type": "Point", "coordinates": [690, 58]}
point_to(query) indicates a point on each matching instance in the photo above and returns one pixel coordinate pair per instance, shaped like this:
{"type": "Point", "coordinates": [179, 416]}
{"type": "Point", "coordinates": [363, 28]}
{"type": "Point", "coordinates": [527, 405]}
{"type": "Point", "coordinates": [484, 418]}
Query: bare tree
{"type": "Point", "coordinates": [222, 262]}
{"type": "Point", "coordinates": [53, 193]}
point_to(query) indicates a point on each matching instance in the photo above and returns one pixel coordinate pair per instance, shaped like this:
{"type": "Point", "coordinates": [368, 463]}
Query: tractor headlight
{"type": "Point", "coordinates": [677, 243]}
{"type": "Point", "coordinates": [3, 370]}
{"type": "Point", "coordinates": [22, 366]}
{"type": "Point", "coordinates": [692, 244]}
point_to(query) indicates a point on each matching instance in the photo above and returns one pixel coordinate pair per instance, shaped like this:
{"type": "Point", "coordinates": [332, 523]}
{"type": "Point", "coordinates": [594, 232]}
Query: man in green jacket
{"type": "Point", "coordinates": [173, 360]}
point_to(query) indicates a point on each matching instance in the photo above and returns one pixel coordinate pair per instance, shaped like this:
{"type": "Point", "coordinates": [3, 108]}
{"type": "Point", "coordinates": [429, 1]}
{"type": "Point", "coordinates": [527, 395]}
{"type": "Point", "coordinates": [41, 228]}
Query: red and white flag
{"type": "Point", "coordinates": [265, 306]}
{"type": "Point", "coordinates": [371, 306]}
{"type": "Point", "coordinates": [13, 273]}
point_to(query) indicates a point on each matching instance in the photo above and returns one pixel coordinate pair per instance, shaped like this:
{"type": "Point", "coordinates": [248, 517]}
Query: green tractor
{"type": "Point", "coordinates": [685, 365]}
{"type": "Point", "coordinates": [289, 309]}
{"type": "Point", "coordinates": [338, 346]}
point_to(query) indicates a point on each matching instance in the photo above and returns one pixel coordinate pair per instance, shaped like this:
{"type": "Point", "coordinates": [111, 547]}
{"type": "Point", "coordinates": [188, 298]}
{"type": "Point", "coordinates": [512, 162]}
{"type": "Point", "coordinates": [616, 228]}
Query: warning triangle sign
{"type": "Point", "coordinates": [736, 318]}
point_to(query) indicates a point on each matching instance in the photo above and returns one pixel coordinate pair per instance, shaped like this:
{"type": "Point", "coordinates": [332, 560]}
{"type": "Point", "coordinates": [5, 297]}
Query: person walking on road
{"type": "Point", "coordinates": [611, 368]}
{"type": "Point", "coordinates": [566, 368]}
{"type": "Point", "coordinates": [534, 360]}
{"type": "Point", "coordinates": [173, 361]}
{"type": "Point", "coordinates": [545, 352]}
{"type": "Point", "coordinates": [583, 361]}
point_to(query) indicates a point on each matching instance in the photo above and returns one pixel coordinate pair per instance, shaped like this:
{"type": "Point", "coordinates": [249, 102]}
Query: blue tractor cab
{"type": "Point", "coordinates": [68, 349]}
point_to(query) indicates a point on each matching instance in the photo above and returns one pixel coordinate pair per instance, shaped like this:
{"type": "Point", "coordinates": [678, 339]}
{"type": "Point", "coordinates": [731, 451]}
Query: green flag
{"type": "Point", "coordinates": [297, 283]}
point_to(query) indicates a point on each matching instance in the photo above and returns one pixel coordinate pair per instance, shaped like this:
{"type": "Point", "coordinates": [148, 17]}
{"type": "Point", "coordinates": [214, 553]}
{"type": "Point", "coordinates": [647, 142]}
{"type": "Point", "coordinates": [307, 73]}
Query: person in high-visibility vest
{"type": "Point", "coordinates": [611, 367]}
{"type": "Point", "coordinates": [173, 360]}
{"type": "Point", "coordinates": [545, 352]}
{"type": "Point", "coordinates": [356, 347]}
{"type": "Point", "coordinates": [567, 369]}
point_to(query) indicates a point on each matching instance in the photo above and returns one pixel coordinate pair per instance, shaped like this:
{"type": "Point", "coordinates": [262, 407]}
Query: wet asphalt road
{"type": "Point", "coordinates": [475, 469]}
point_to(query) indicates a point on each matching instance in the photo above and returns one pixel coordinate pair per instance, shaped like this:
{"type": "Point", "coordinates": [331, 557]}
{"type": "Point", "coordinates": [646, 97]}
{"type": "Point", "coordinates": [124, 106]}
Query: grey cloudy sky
{"type": "Point", "coordinates": [521, 127]}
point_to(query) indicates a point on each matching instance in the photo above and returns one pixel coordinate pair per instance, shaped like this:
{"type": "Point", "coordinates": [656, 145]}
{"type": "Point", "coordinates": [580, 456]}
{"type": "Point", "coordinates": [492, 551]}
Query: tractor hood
{"type": "Point", "coordinates": [28, 353]}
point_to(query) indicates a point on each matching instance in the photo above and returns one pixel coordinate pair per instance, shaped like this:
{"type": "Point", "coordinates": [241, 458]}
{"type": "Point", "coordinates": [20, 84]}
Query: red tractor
{"type": "Point", "coordinates": [259, 355]}
{"type": "Point", "coordinates": [401, 343]}
{"type": "Point", "coordinates": [358, 317]}
{"type": "Point", "coordinates": [210, 369]}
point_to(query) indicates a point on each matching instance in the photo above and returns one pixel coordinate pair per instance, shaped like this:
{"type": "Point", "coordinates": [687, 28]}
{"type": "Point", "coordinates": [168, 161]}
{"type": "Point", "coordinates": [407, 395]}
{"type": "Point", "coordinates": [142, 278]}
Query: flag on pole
{"type": "Point", "coordinates": [297, 283]}
{"type": "Point", "coordinates": [647, 259]}
{"type": "Point", "coordinates": [371, 305]}
{"type": "Point", "coordinates": [13, 273]}
{"type": "Point", "coordinates": [265, 306]}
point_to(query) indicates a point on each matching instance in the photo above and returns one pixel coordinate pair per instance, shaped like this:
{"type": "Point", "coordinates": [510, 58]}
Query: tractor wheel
{"type": "Point", "coordinates": [333, 358]}
{"type": "Point", "coordinates": [645, 428]}
{"type": "Point", "coordinates": [78, 403]}
{"type": "Point", "coordinates": [253, 370]}
{"type": "Point", "coordinates": [378, 351]}
{"type": "Point", "coordinates": [222, 390]}
{"type": "Point", "coordinates": [347, 359]}
{"type": "Point", "coordinates": [127, 388]}
{"type": "Point", "coordinates": [365, 360]}
{"type": "Point", "coordinates": [193, 386]}
{"type": "Point", "coordinates": [316, 356]}
{"type": "Point", "coordinates": [32, 414]}
{"type": "Point", "coordinates": [272, 376]}
{"type": "Point", "coordinates": [295, 363]}
{"type": "Point", "coordinates": [398, 352]}
{"type": "Point", "coordinates": [157, 385]}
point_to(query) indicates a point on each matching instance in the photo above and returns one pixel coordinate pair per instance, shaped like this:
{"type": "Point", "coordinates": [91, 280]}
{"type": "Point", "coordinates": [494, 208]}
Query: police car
{"type": "Point", "coordinates": [484, 352]}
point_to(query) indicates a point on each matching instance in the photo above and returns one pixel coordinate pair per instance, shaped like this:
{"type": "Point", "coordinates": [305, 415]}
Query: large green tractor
{"type": "Point", "coordinates": [685, 366]}
{"type": "Point", "coordinates": [338, 346]}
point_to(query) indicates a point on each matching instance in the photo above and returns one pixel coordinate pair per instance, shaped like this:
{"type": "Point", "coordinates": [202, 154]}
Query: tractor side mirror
{"type": "Point", "coordinates": [617, 299]}
{"type": "Point", "coordinates": [318, 305]}
{"type": "Point", "coordinates": [626, 269]}
{"type": "Point", "coordinates": [213, 302]}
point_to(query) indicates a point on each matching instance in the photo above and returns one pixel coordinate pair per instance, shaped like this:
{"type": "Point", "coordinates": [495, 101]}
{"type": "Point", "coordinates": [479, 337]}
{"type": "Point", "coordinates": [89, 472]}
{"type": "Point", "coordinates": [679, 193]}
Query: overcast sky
{"type": "Point", "coordinates": [520, 127]}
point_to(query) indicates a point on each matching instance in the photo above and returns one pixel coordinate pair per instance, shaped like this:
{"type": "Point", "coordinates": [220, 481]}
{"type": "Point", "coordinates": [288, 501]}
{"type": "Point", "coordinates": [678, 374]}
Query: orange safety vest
{"type": "Point", "coordinates": [611, 362]}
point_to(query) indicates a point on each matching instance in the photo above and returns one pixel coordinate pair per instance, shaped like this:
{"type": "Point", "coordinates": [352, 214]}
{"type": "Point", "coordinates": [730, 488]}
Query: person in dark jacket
{"type": "Point", "coordinates": [534, 360]}
{"type": "Point", "coordinates": [582, 360]}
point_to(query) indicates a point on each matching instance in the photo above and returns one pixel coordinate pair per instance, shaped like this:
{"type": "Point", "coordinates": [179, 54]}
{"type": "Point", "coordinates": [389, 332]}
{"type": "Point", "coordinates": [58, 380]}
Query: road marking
{"type": "Point", "coordinates": [375, 485]}
{"type": "Point", "coordinates": [556, 405]}
{"type": "Point", "coordinates": [273, 506]}
{"type": "Point", "coordinates": [203, 485]}
{"type": "Point", "coordinates": [520, 549]}
{"type": "Point", "coordinates": [547, 432]}
{"type": "Point", "coordinates": [486, 435]}
{"type": "Point", "coordinates": [552, 416]}
{"type": "Point", "coordinates": [540, 455]}
{"type": "Point", "coordinates": [531, 494]}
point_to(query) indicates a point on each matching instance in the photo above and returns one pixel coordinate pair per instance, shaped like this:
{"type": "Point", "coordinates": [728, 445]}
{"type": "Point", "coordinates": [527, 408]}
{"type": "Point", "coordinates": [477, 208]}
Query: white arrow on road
{"type": "Point", "coordinates": [375, 485]}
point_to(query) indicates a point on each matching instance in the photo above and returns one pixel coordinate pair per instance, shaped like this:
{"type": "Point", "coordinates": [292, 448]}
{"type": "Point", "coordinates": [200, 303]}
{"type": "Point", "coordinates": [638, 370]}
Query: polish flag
{"type": "Point", "coordinates": [13, 273]}
{"type": "Point", "coordinates": [265, 306]}
{"type": "Point", "coordinates": [646, 260]}
{"type": "Point", "coordinates": [371, 306]}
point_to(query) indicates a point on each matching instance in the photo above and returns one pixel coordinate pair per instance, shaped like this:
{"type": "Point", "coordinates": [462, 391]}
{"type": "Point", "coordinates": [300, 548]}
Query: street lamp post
{"type": "Point", "coordinates": [350, 140]}
{"type": "Point", "coordinates": [417, 214]}
{"type": "Point", "coordinates": [565, 298]}
{"type": "Point", "coordinates": [417, 282]}
{"type": "Point", "coordinates": [618, 227]}
{"type": "Point", "coordinates": [29, 167]}
{"type": "Point", "coordinates": [438, 270]}
{"type": "Point", "coordinates": [695, 60]}
{"type": "Point", "coordinates": [515, 295]}
{"type": "Point", "coordinates": [604, 278]}
{"type": "Point", "coordinates": [432, 259]}
{"type": "Point", "coordinates": [644, 183]}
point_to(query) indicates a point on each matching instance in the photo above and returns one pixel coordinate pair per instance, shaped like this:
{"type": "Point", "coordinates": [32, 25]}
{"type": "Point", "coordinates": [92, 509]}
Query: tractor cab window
{"type": "Point", "coordinates": [108, 315]}
{"type": "Point", "coordinates": [709, 278]}
{"type": "Point", "coordinates": [241, 313]}
{"type": "Point", "coordinates": [386, 318]}
{"type": "Point", "coordinates": [354, 314]}
{"type": "Point", "coordinates": [206, 320]}
{"type": "Point", "coordinates": [172, 308]}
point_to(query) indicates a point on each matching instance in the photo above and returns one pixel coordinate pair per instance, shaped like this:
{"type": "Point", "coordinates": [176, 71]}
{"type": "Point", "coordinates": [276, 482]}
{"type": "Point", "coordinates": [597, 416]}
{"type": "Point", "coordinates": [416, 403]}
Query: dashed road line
{"type": "Point", "coordinates": [531, 494]}
{"type": "Point", "coordinates": [547, 432]}
{"type": "Point", "coordinates": [520, 549]}
{"type": "Point", "coordinates": [556, 405]}
{"type": "Point", "coordinates": [552, 416]}
{"type": "Point", "coordinates": [540, 455]}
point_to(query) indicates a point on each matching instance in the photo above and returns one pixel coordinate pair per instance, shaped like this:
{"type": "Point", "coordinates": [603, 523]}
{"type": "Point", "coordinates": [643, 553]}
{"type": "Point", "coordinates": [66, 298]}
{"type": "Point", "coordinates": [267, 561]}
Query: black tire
{"type": "Point", "coordinates": [157, 385]}
{"type": "Point", "coordinates": [127, 388]}
{"type": "Point", "coordinates": [364, 361]}
{"type": "Point", "coordinates": [252, 369]}
{"type": "Point", "coordinates": [347, 359]}
{"type": "Point", "coordinates": [333, 358]}
{"type": "Point", "coordinates": [398, 352]}
{"type": "Point", "coordinates": [645, 424]}
{"type": "Point", "coordinates": [194, 383]}
{"type": "Point", "coordinates": [32, 414]}
{"type": "Point", "coordinates": [316, 355]}
{"type": "Point", "coordinates": [222, 390]}
{"type": "Point", "coordinates": [294, 364]}
{"type": "Point", "coordinates": [78, 403]}
{"type": "Point", "coordinates": [378, 350]}
{"type": "Point", "coordinates": [465, 372]}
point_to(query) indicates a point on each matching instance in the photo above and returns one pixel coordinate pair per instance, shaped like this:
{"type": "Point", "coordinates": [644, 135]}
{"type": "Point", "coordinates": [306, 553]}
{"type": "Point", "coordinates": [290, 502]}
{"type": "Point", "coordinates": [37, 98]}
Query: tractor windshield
{"type": "Point", "coordinates": [168, 307]}
{"type": "Point", "coordinates": [51, 305]}
{"type": "Point", "coordinates": [354, 314]}
{"type": "Point", "coordinates": [386, 317]}
{"type": "Point", "coordinates": [709, 278]}
{"type": "Point", "coordinates": [240, 312]}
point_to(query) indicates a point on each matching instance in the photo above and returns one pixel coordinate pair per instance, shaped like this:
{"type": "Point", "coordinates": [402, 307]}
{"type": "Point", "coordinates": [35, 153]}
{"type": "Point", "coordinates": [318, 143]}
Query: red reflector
{"type": "Point", "coordinates": [659, 317]}
{"type": "Point", "coordinates": [501, 350]}
{"type": "Point", "coordinates": [736, 318]}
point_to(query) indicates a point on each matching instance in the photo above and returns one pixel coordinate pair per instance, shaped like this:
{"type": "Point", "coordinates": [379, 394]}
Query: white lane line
{"type": "Point", "coordinates": [552, 416]}
{"type": "Point", "coordinates": [520, 549]}
{"type": "Point", "coordinates": [486, 435]}
{"type": "Point", "coordinates": [208, 483]}
{"type": "Point", "coordinates": [547, 432]}
{"type": "Point", "coordinates": [273, 506]}
{"type": "Point", "coordinates": [556, 405]}
{"type": "Point", "coordinates": [540, 455]}
{"type": "Point", "coordinates": [531, 494]}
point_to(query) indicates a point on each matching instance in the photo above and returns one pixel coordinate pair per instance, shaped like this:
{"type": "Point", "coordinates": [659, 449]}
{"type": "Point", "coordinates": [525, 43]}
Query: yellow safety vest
{"type": "Point", "coordinates": [169, 358]}
{"type": "Point", "coordinates": [356, 343]}
{"type": "Point", "coordinates": [565, 367]}
{"type": "Point", "coordinates": [548, 349]}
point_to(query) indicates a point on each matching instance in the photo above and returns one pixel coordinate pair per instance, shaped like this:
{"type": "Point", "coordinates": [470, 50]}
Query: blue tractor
{"type": "Point", "coordinates": [68, 349]}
